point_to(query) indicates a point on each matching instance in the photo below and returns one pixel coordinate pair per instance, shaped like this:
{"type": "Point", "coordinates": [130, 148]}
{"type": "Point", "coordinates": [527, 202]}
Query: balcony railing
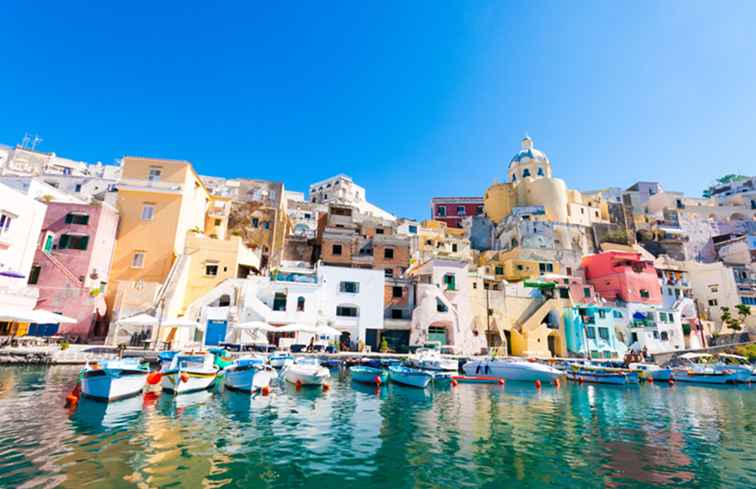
{"type": "Point", "coordinates": [156, 185]}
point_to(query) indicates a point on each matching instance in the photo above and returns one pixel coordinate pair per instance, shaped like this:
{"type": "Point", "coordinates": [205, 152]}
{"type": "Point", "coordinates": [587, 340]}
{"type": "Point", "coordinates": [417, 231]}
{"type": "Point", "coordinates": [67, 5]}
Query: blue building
{"type": "Point", "coordinates": [591, 328]}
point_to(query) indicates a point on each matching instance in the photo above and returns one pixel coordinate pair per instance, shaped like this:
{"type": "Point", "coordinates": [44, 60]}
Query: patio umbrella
{"type": "Point", "coordinates": [256, 325]}
{"type": "Point", "coordinates": [138, 320]}
{"type": "Point", "coordinates": [38, 316]}
{"type": "Point", "coordinates": [327, 331]}
{"type": "Point", "coordinates": [180, 323]}
{"type": "Point", "coordinates": [296, 328]}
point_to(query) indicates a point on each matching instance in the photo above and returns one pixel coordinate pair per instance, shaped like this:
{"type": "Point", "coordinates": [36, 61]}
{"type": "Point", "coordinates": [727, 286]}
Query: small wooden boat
{"type": "Point", "coordinates": [410, 376]}
{"type": "Point", "coordinates": [368, 375]}
{"type": "Point", "coordinates": [189, 372]}
{"type": "Point", "coordinates": [602, 375]}
{"type": "Point", "coordinates": [477, 379]}
{"type": "Point", "coordinates": [651, 372]}
{"type": "Point", "coordinates": [247, 375]}
{"type": "Point", "coordinates": [280, 360]}
{"type": "Point", "coordinates": [705, 375]}
{"type": "Point", "coordinates": [111, 380]}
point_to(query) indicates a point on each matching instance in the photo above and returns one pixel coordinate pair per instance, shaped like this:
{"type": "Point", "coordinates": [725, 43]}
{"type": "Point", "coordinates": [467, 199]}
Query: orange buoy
{"type": "Point", "coordinates": [154, 378]}
{"type": "Point", "coordinates": [71, 400]}
{"type": "Point", "coordinates": [650, 380]}
{"type": "Point", "coordinates": [184, 377]}
{"type": "Point", "coordinates": [298, 385]}
{"type": "Point", "coordinates": [556, 382]}
{"type": "Point", "coordinates": [377, 380]}
{"type": "Point", "coordinates": [265, 390]}
{"type": "Point", "coordinates": [326, 387]}
{"type": "Point", "coordinates": [580, 380]}
{"type": "Point", "coordinates": [671, 381]}
{"type": "Point", "coordinates": [454, 382]}
{"type": "Point", "coordinates": [538, 384]}
{"type": "Point", "coordinates": [501, 381]}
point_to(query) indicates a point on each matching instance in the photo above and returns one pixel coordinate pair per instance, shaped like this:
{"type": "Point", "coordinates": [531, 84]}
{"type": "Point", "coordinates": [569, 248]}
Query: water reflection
{"type": "Point", "coordinates": [392, 437]}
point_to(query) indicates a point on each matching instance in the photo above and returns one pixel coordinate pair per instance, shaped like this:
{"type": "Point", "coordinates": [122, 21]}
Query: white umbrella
{"type": "Point", "coordinates": [138, 320]}
{"type": "Point", "coordinates": [258, 325]}
{"type": "Point", "coordinates": [180, 323]}
{"type": "Point", "coordinates": [38, 316]}
{"type": "Point", "coordinates": [327, 331]}
{"type": "Point", "coordinates": [296, 328]}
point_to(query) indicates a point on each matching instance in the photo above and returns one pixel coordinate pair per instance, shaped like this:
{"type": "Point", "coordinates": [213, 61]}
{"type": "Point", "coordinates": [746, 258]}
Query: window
{"type": "Point", "coordinates": [441, 211]}
{"type": "Point", "coordinates": [460, 210]}
{"type": "Point", "coordinates": [499, 271]}
{"type": "Point", "coordinates": [5, 221]}
{"type": "Point", "coordinates": [336, 250]}
{"type": "Point", "coordinates": [266, 225]}
{"type": "Point", "coordinates": [77, 188]}
{"type": "Point", "coordinates": [644, 293]}
{"type": "Point", "coordinates": [388, 253]}
{"type": "Point", "coordinates": [656, 335]}
{"type": "Point", "coordinates": [154, 174]}
{"type": "Point", "coordinates": [440, 306]}
{"type": "Point", "coordinates": [378, 230]}
{"type": "Point", "coordinates": [475, 285]}
{"type": "Point", "coordinates": [545, 267]}
{"type": "Point", "coordinates": [617, 314]}
{"type": "Point", "coordinates": [397, 314]}
{"type": "Point", "coordinates": [73, 242]}
{"type": "Point", "coordinates": [450, 281]}
{"type": "Point", "coordinates": [148, 212]}
{"type": "Point", "coordinates": [255, 222]}
{"type": "Point", "coordinates": [34, 274]}
{"type": "Point", "coordinates": [137, 259]}
{"type": "Point", "coordinates": [454, 247]}
{"type": "Point", "coordinates": [590, 332]}
{"type": "Point", "coordinates": [713, 302]}
{"type": "Point", "coordinates": [279, 301]}
{"type": "Point", "coordinates": [514, 177]}
{"type": "Point", "coordinates": [350, 287]}
{"type": "Point", "coordinates": [218, 222]}
{"type": "Point", "coordinates": [569, 271]}
{"type": "Point", "coordinates": [211, 269]}
{"type": "Point", "coordinates": [396, 292]}
{"type": "Point", "coordinates": [73, 218]}
{"type": "Point", "coordinates": [412, 229]}
{"type": "Point", "coordinates": [300, 304]}
{"type": "Point", "coordinates": [602, 314]}
{"type": "Point", "coordinates": [347, 311]}
{"type": "Point", "coordinates": [520, 267]}
{"type": "Point", "coordinates": [586, 291]}
{"type": "Point", "coordinates": [604, 333]}
{"type": "Point", "coordinates": [479, 210]}
{"type": "Point", "coordinates": [388, 272]}
{"type": "Point", "coordinates": [540, 172]}
{"type": "Point", "coordinates": [525, 173]}
{"type": "Point", "coordinates": [664, 336]}
{"type": "Point", "coordinates": [663, 317]}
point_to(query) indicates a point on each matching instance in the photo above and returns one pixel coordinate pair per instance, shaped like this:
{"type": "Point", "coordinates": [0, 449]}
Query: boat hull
{"type": "Point", "coordinates": [306, 375]}
{"type": "Point", "coordinates": [111, 385]}
{"type": "Point", "coordinates": [412, 378]}
{"type": "Point", "coordinates": [246, 379]}
{"type": "Point", "coordinates": [704, 377]}
{"type": "Point", "coordinates": [367, 375]}
{"type": "Point", "coordinates": [515, 371]}
{"type": "Point", "coordinates": [601, 378]}
{"type": "Point", "coordinates": [195, 381]}
{"type": "Point", "coordinates": [281, 362]}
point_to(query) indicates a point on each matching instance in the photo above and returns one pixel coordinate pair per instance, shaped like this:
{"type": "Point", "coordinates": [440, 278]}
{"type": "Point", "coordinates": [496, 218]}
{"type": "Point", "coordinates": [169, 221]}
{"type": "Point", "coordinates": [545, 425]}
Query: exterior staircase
{"type": "Point", "coordinates": [64, 269]}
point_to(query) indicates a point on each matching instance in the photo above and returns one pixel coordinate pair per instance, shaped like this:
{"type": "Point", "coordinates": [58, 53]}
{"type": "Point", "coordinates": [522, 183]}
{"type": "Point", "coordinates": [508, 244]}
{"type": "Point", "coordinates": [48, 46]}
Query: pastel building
{"type": "Point", "coordinates": [590, 332]}
{"type": "Point", "coordinates": [453, 210]}
{"type": "Point", "coordinates": [72, 263]}
{"type": "Point", "coordinates": [623, 276]}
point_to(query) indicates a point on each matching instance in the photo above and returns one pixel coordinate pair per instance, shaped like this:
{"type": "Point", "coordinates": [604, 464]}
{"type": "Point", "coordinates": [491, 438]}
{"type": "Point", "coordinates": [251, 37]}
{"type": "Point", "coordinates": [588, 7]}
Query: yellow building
{"type": "Point", "coordinates": [436, 239]}
{"type": "Point", "coordinates": [159, 202]}
{"type": "Point", "coordinates": [517, 265]}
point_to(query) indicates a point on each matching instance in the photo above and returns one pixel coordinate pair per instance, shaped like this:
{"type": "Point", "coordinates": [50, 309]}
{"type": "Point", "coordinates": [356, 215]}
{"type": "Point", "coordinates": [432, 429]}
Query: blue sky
{"type": "Point", "coordinates": [412, 99]}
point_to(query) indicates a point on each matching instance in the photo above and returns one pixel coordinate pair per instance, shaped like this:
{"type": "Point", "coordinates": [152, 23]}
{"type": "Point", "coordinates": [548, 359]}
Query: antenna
{"type": "Point", "coordinates": [26, 140]}
{"type": "Point", "coordinates": [36, 141]}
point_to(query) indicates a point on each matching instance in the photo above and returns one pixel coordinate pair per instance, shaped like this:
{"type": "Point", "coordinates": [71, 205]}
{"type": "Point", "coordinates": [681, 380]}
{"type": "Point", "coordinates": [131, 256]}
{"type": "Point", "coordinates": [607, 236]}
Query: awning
{"type": "Point", "coordinates": [539, 285]}
{"type": "Point", "coordinates": [255, 325]}
{"type": "Point", "coordinates": [327, 331]}
{"type": "Point", "coordinates": [37, 316]}
{"type": "Point", "coordinates": [296, 328]}
{"type": "Point", "coordinates": [180, 323]}
{"type": "Point", "coordinates": [138, 320]}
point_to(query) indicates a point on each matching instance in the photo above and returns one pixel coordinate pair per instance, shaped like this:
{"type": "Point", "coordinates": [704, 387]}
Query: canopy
{"type": "Point", "coordinates": [180, 323]}
{"type": "Point", "coordinates": [256, 325]}
{"type": "Point", "coordinates": [539, 285]}
{"type": "Point", "coordinates": [138, 320]}
{"type": "Point", "coordinates": [296, 328]}
{"type": "Point", "coordinates": [37, 316]}
{"type": "Point", "coordinates": [327, 331]}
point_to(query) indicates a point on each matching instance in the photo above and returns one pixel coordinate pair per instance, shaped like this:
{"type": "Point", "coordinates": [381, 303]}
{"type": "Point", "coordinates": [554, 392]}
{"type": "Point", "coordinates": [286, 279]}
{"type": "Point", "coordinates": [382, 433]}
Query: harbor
{"type": "Point", "coordinates": [575, 435]}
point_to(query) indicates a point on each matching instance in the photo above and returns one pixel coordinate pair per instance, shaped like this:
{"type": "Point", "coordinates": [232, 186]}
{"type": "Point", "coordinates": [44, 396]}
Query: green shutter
{"type": "Point", "coordinates": [63, 242]}
{"type": "Point", "coordinates": [69, 218]}
{"type": "Point", "coordinates": [84, 243]}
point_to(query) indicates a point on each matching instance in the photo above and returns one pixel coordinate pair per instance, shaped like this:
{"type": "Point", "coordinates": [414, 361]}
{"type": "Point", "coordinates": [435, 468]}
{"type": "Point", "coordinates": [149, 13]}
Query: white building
{"type": "Point", "coordinates": [341, 189]}
{"type": "Point", "coordinates": [21, 219]}
{"type": "Point", "coordinates": [348, 299]}
{"type": "Point", "coordinates": [656, 329]}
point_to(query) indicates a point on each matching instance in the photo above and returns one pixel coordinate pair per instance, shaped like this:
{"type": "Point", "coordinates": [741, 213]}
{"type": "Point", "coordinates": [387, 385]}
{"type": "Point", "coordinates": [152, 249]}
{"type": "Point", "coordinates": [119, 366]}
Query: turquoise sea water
{"type": "Point", "coordinates": [353, 437]}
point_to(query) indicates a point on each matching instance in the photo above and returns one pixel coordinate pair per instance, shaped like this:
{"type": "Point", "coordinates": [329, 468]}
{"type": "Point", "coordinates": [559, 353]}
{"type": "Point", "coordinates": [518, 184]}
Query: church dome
{"type": "Point", "coordinates": [528, 162]}
{"type": "Point", "coordinates": [528, 152]}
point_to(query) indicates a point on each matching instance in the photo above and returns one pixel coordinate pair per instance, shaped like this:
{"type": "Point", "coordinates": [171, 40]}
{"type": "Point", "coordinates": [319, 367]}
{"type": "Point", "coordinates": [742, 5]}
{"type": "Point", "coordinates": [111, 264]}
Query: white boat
{"type": "Point", "coordinates": [410, 376]}
{"type": "Point", "coordinates": [280, 360]}
{"type": "Point", "coordinates": [306, 371]}
{"type": "Point", "coordinates": [111, 380]}
{"type": "Point", "coordinates": [745, 371]}
{"type": "Point", "coordinates": [512, 369]}
{"type": "Point", "coordinates": [189, 372]}
{"type": "Point", "coordinates": [431, 359]}
{"type": "Point", "coordinates": [602, 375]}
{"type": "Point", "coordinates": [247, 374]}
{"type": "Point", "coordinates": [701, 368]}
{"type": "Point", "coordinates": [651, 371]}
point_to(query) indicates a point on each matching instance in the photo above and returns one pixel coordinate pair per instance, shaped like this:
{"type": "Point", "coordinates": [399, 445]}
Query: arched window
{"type": "Point", "coordinates": [525, 173]}
{"type": "Point", "coordinates": [300, 304]}
{"type": "Point", "coordinates": [224, 301]}
{"type": "Point", "coordinates": [514, 177]}
{"type": "Point", "coordinates": [540, 172]}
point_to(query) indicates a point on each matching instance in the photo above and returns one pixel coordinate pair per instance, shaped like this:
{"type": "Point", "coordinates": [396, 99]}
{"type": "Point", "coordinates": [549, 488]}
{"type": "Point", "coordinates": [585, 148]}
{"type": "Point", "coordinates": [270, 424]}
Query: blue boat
{"type": "Point", "coordinates": [368, 375]}
{"type": "Point", "coordinates": [410, 376]}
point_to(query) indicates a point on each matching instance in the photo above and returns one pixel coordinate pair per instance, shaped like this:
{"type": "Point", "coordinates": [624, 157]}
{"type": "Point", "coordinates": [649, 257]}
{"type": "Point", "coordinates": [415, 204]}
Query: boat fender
{"type": "Point", "coordinates": [501, 381]}
{"type": "Point", "coordinates": [184, 377]}
{"type": "Point", "coordinates": [377, 380]}
{"type": "Point", "coordinates": [454, 382]}
{"type": "Point", "coordinates": [650, 380]}
{"type": "Point", "coordinates": [265, 390]}
{"type": "Point", "coordinates": [671, 381]}
{"type": "Point", "coordinates": [580, 380]}
{"type": "Point", "coordinates": [298, 385]}
{"type": "Point", "coordinates": [538, 384]}
{"type": "Point", "coordinates": [72, 399]}
{"type": "Point", "coordinates": [326, 387]}
{"type": "Point", "coordinates": [154, 378]}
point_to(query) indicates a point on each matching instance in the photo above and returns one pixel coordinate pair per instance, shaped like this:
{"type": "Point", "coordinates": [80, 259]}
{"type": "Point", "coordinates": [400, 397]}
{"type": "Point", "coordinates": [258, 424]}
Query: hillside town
{"type": "Point", "coordinates": [147, 253]}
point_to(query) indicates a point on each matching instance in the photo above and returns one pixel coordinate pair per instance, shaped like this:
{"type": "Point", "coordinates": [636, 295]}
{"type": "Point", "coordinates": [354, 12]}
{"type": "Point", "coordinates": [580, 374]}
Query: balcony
{"type": "Point", "coordinates": [294, 277]}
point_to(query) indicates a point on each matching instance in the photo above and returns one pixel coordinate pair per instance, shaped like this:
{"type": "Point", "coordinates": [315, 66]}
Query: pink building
{"type": "Point", "coordinates": [624, 276]}
{"type": "Point", "coordinates": [72, 262]}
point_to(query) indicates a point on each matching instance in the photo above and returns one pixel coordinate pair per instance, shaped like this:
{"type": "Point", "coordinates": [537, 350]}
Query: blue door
{"type": "Point", "coordinates": [216, 332]}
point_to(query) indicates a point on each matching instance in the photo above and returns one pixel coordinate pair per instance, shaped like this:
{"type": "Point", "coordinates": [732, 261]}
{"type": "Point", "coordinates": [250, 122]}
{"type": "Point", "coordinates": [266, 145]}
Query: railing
{"type": "Point", "coordinates": [151, 184]}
